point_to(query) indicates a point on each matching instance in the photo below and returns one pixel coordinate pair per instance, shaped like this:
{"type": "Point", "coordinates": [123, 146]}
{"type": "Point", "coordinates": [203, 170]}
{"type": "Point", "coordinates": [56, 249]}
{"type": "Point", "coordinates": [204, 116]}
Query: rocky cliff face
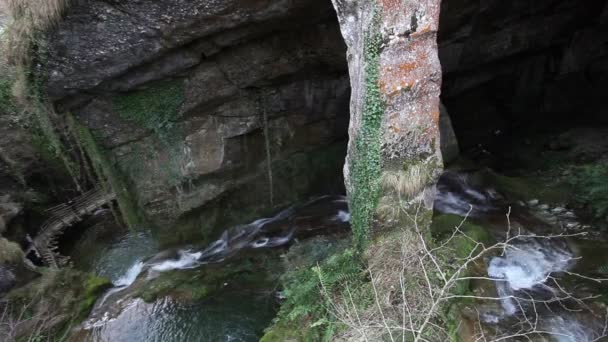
{"type": "Point", "coordinates": [191, 101]}
{"type": "Point", "coordinates": [512, 65]}
{"type": "Point", "coordinates": [203, 106]}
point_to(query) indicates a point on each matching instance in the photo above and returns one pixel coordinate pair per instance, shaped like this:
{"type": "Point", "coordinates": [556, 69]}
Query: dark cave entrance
{"type": "Point", "coordinates": [522, 79]}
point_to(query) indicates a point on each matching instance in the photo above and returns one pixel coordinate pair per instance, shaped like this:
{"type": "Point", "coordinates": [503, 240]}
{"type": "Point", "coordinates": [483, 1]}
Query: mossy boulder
{"type": "Point", "coordinates": [283, 331]}
{"type": "Point", "coordinates": [250, 272]}
{"type": "Point", "coordinates": [10, 252]}
{"type": "Point", "coordinates": [93, 287]}
{"type": "Point", "coordinates": [526, 188]}
{"type": "Point", "coordinates": [11, 264]}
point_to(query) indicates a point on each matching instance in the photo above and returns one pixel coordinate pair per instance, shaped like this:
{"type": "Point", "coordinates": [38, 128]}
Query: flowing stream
{"type": "Point", "coordinates": [239, 315]}
{"type": "Point", "coordinates": [538, 296]}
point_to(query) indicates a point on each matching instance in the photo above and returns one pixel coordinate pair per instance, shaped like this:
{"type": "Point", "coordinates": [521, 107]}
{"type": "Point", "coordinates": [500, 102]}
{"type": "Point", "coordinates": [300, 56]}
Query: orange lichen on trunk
{"type": "Point", "coordinates": [390, 5]}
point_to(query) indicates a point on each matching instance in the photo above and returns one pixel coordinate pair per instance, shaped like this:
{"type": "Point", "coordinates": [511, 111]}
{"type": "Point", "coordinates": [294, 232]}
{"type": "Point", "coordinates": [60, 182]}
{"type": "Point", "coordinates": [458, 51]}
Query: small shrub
{"type": "Point", "coordinates": [29, 20]}
{"type": "Point", "coordinates": [303, 287]}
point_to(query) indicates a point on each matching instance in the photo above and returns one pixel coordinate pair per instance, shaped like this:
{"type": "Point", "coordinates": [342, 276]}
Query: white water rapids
{"type": "Point", "coordinates": [525, 270]}
{"type": "Point", "coordinates": [527, 265]}
{"type": "Point", "coordinates": [261, 233]}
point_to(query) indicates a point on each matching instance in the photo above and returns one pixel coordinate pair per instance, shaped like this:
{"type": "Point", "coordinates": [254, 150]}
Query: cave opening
{"type": "Point", "coordinates": [524, 82]}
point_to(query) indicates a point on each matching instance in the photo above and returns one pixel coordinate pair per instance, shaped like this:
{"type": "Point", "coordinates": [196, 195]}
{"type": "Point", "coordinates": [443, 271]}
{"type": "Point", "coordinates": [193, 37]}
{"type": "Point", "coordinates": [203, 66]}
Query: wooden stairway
{"type": "Point", "coordinates": [63, 216]}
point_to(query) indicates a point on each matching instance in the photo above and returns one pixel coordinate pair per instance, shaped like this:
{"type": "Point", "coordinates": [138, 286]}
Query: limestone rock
{"type": "Point", "coordinates": [409, 76]}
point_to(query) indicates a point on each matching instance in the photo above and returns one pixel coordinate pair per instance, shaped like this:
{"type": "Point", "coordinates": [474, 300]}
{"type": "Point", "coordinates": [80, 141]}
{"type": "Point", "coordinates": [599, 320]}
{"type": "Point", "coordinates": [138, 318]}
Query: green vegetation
{"type": "Point", "coordinates": [108, 174]}
{"type": "Point", "coordinates": [7, 104]}
{"type": "Point", "coordinates": [22, 80]}
{"type": "Point", "coordinates": [365, 164]}
{"type": "Point", "coordinates": [303, 287]}
{"type": "Point", "coordinates": [55, 300]}
{"type": "Point", "coordinates": [29, 20]}
{"type": "Point", "coordinates": [529, 188]}
{"type": "Point", "coordinates": [460, 247]}
{"type": "Point", "coordinates": [154, 108]}
{"type": "Point", "coordinates": [318, 272]}
{"type": "Point", "coordinates": [93, 287]}
{"type": "Point", "coordinates": [591, 183]}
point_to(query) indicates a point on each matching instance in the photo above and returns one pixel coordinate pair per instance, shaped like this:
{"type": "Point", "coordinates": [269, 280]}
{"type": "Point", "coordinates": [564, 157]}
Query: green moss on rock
{"type": "Point", "coordinates": [459, 247]}
{"type": "Point", "coordinates": [93, 287]}
{"type": "Point", "coordinates": [7, 105]}
{"type": "Point", "coordinates": [283, 331]}
{"type": "Point", "coordinates": [154, 107]}
{"type": "Point", "coordinates": [253, 272]}
{"type": "Point", "coordinates": [107, 171]}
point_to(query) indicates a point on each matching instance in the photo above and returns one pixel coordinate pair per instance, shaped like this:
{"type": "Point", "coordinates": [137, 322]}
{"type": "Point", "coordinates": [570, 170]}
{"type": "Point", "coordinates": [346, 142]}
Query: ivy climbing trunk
{"type": "Point", "coordinates": [395, 80]}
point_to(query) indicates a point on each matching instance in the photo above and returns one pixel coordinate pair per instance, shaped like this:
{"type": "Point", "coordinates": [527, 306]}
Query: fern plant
{"type": "Point", "coordinates": [309, 290]}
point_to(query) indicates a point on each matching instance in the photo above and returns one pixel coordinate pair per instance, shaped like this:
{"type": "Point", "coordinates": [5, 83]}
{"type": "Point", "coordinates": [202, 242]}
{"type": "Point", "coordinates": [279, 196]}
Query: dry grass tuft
{"type": "Point", "coordinates": [406, 184]}
{"type": "Point", "coordinates": [28, 18]}
{"type": "Point", "coordinates": [397, 271]}
{"type": "Point", "coordinates": [398, 187]}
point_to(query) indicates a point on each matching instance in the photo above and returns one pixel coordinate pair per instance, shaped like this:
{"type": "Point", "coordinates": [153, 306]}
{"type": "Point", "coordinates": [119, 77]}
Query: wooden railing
{"type": "Point", "coordinates": [63, 216]}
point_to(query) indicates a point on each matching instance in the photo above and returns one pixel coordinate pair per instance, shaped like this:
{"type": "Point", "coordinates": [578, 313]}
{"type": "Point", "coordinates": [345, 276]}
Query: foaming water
{"type": "Point", "coordinates": [129, 277]}
{"type": "Point", "coordinates": [122, 261]}
{"type": "Point", "coordinates": [526, 265]}
{"type": "Point", "coordinates": [343, 216]}
{"type": "Point", "coordinates": [531, 276]}
{"type": "Point", "coordinates": [232, 240]}
{"type": "Point", "coordinates": [456, 195]}
{"type": "Point", "coordinates": [186, 260]}
{"type": "Point", "coordinates": [570, 330]}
